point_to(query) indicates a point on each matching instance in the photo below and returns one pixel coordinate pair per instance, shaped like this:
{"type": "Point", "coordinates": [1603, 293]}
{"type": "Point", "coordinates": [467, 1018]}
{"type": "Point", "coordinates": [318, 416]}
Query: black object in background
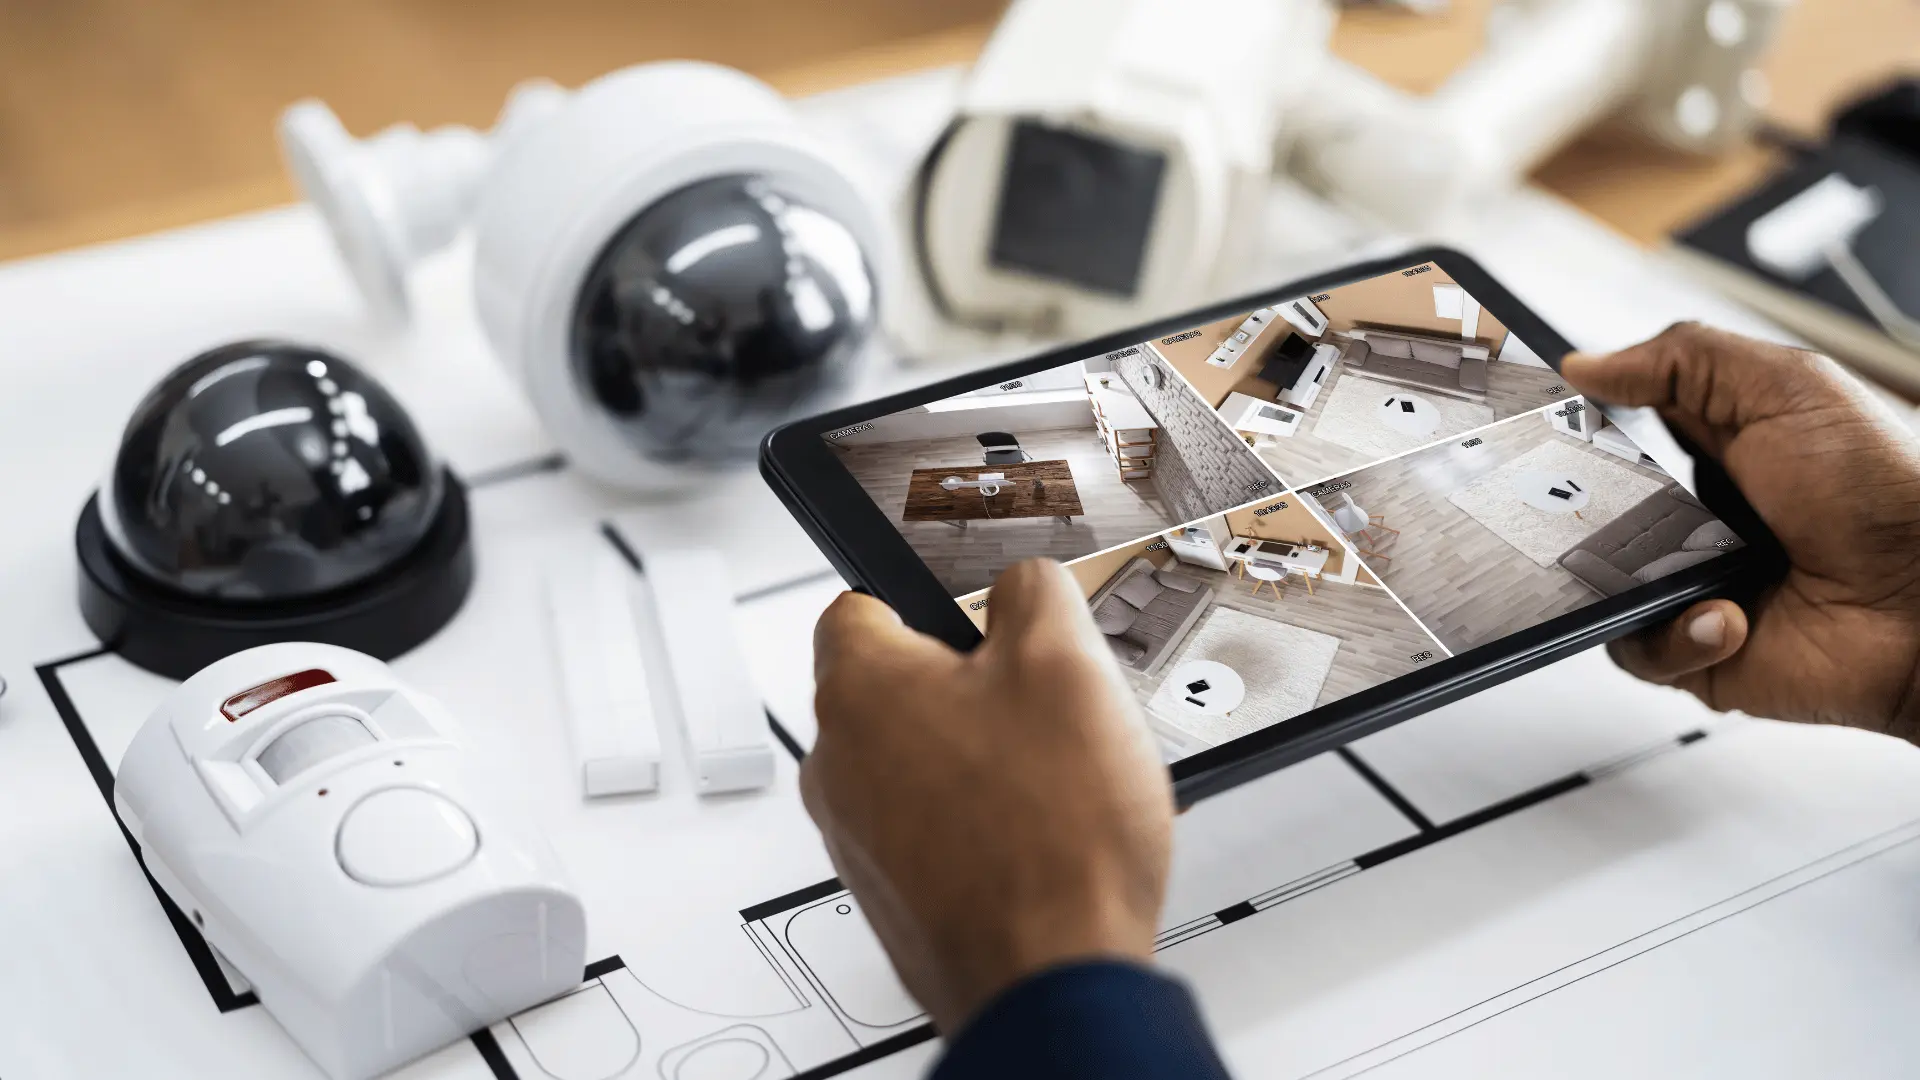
{"type": "Point", "coordinates": [1888, 118]}
{"type": "Point", "coordinates": [266, 492]}
{"type": "Point", "coordinates": [1283, 368]}
{"type": "Point", "coordinates": [1822, 307]}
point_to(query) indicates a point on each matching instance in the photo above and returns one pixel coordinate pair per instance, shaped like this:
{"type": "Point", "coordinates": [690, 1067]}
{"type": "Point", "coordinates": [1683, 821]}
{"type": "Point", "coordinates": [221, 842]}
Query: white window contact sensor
{"type": "Point", "coordinates": [724, 719]}
{"type": "Point", "coordinates": [609, 708]}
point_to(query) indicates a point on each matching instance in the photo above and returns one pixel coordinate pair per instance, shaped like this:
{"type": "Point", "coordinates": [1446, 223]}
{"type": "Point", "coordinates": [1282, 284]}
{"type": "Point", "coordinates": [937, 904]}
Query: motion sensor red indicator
{"type": "Point", "coordinates": [266, 693]}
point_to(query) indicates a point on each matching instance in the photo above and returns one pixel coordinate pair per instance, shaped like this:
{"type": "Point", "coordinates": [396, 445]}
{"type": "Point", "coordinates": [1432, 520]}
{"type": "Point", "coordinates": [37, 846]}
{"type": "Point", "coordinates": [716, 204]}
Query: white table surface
{"type": "Point", "coordinates": [1535, 488]}
{"type": "Point", "coordinates": [1242, 413]}
{"type": "Point", "coordinates": [1423, 420]}
{"type": "Point", "coordinates": [1306, 562]}
{"type": "Point", "coordinates": [1739, 908]}
{"type": "Point", "coordinates": [1224, 692]}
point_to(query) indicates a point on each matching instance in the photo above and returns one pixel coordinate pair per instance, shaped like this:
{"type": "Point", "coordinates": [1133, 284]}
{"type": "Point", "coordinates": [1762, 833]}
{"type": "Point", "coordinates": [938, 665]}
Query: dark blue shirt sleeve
{"type": "Point", "coordinates": [1104, 1019]}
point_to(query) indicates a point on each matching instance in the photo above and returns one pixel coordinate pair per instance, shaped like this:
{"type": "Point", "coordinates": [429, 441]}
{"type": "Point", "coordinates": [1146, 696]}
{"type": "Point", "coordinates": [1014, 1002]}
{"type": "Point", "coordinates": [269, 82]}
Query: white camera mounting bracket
{"type": "Point", "coordinates": [402, 194]}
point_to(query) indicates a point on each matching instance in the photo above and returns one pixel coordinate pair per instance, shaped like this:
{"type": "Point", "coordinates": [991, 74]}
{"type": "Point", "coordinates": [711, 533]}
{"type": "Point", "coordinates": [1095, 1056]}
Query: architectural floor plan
{"type": "Point", "coordinates": [1374, 906]}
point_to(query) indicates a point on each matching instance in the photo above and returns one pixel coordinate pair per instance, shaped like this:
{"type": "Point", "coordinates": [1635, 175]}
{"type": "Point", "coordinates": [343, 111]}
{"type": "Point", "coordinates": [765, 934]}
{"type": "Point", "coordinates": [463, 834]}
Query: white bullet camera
{"type": "Point", "coordinates": [1111, 159]}
{"type": "Point", "coordinates": [668, 263]}
{"type": "Point", "coordinates": [1106, 159]}
{"type": "Point", "coordinates": [319, 823]}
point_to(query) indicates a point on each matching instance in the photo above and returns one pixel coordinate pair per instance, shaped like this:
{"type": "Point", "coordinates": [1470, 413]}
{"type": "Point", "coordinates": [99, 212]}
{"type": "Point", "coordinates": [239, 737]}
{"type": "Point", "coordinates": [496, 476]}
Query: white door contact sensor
{"type": "Point", "coordinates": [725, 721]}
{"type": "Point", "coordinates": [610, 717]}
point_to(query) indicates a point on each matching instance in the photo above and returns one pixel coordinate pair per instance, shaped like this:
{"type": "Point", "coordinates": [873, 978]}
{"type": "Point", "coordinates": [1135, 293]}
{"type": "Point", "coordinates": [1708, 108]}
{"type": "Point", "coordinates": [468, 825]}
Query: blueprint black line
{"type": "Point", "coordinates": [1387, 791]}
{"type": "Point", "coordinates": [501, 474]}
{"type": "Point", "coordinates": [199, 953]}
{"type": "Point", "coordinates": [1317, 880]}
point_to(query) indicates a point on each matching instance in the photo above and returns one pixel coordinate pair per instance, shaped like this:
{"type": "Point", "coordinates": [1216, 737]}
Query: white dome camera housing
{"type": "Point", "coordinates": [320, 824]}
{"type": "Point", "coordinates": [665, 260]}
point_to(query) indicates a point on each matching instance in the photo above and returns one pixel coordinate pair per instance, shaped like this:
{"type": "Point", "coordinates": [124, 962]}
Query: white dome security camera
{"type": "Point", "coordinates": [668, 263]}
{"type": "Point", "coordinates": [319, 823]}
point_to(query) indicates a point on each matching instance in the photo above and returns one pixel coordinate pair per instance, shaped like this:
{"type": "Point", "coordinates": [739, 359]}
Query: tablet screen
{"type": "Point", "coordinates": [1290, 505]}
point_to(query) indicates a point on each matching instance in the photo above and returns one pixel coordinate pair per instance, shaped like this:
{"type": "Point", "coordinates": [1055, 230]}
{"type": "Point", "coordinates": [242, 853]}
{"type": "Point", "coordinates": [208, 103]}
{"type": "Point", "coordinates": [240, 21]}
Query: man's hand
{"type": "Point", "coordinates": [1837, 479]}
{"type": "Point", "coordinates": [997, 812]}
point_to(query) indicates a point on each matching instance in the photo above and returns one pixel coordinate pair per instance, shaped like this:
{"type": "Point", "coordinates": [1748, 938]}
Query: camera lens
{"type": "Point", "coordinates": [717, 312]}
{"type": "Point", "coordinates": [267, 471]}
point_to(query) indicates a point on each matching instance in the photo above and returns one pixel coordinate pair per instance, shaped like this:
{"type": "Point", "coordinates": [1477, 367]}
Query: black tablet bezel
{"type": "Point", "coordinates": [871, 553]}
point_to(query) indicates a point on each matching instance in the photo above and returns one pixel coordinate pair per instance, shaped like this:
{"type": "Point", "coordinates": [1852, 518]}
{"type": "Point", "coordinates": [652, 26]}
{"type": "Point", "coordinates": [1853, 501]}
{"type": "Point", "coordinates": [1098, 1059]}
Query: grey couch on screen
{"type": "Point", "coordinates": [1664, 533]}
{"type": "Point", "coordinates": [1144, 612]}
{"type": "Point", "coordinates": [1418, 360]}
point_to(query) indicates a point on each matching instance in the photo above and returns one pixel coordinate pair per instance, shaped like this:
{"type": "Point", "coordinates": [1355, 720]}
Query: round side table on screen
{"type": "Point", "coordinates": [1409, 414]}
{"type": "Point", "coordinates": [1208, 687]}
{"type": "Point", "coordinates": [1554, 492]}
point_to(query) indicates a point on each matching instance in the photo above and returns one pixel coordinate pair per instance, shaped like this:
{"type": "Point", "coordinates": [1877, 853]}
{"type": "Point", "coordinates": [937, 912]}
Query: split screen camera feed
{"type": "Point", "coordinates": [1274, 511]}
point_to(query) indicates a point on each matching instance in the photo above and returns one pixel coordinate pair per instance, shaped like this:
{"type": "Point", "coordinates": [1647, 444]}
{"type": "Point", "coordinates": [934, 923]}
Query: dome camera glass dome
{"type": "Point", "coordinates": [265, 471]}
{"type": "Point", "coordinates": [716, 313]}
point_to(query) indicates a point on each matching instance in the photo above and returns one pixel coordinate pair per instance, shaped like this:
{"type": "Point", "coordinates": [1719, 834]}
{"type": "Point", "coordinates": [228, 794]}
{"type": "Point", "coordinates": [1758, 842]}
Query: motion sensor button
{"type": "Point", "coordinates": [405, 836]}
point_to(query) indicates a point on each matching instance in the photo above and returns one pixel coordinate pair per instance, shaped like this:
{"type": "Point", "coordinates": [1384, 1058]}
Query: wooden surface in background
{"type": "Point", "coordinates": [119, 117]}
{"type": "Point", "coordinates": [1827, 52]}
{"type": "Point", "coordinates": [1032, 489]}
{"type": "Point", "coordinates": [125, 116]}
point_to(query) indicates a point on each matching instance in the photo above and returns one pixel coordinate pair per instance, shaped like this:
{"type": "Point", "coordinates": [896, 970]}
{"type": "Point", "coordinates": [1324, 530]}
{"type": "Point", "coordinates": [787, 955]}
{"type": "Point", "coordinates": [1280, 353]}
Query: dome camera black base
{"type": "Point", "coordinates": [174, 635]}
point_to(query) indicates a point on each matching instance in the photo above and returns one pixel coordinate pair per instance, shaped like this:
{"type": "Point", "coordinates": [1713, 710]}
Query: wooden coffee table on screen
{"type": "Point", "coordinates": [1029, 489]}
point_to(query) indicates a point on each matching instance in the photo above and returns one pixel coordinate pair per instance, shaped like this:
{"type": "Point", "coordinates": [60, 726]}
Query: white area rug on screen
{"type": "Point", "coordinates": [1543, 535]}
{"type": "Point", "coordinates": [1282, 666]}
{"type": "Point", "coordinates": [1351, 418]}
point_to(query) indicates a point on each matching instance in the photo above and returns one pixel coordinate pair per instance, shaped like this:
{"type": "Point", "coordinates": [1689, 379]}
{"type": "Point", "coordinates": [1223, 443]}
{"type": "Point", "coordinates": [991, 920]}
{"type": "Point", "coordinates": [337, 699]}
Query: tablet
{"type": "Point", "coordinates": [1297, 518]}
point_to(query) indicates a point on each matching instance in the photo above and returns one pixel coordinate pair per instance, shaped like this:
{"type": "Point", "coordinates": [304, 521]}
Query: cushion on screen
{"type": "Point", "coordinates": [1473, 374]}
{"type": "Point", "coordinates": [1177, 582]}
{"type": "Point", "coordinates": [1671, 564]}
{"type": "Point", "coordinates": [1138, 590]}
{"type": "Point", "coordinates": [1127, 652]}
{"type": "Point", "coordinates": [1114, 615]}
{"type": "Point", "coordinates": [1708, 537]}
{"type": "Point", "coordinates": [1433, 352]}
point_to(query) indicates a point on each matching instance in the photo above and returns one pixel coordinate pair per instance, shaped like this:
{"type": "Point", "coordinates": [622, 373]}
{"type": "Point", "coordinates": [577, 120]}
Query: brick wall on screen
{"type": "Point", "coordinates": [1200, 467]}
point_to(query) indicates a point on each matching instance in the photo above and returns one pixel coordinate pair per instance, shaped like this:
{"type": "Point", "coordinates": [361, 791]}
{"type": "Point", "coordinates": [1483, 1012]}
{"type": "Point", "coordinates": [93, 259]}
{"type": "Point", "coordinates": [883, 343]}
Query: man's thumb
{"type": "Point", "coordinates": [1613, 378]}
{"type": "Point", "coordinates": [1037, 597]}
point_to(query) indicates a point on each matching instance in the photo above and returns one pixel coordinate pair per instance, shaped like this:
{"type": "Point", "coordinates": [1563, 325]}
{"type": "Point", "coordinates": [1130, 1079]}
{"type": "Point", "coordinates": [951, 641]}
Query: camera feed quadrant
{"type": "Point", "coordinates": [1060, 464]}
{"type": "Point", "coordinates": [1521, 522]}
{"type": "Point", "coordinates": [1243, 620]}
{"type": "Point", "coordinates": [1323, 384]}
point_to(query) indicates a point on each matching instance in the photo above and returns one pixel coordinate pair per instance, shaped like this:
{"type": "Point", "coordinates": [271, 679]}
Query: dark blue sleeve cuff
{"type": "Point", "coordinates": [1105, 1019]}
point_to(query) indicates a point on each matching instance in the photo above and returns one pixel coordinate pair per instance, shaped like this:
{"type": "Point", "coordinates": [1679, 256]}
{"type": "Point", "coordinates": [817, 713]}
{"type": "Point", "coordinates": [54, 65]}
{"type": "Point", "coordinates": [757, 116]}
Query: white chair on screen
{"type": "Point", "coordinates": [1273, 577]}
{"type": "Point", "coordinates": [1368, 532]}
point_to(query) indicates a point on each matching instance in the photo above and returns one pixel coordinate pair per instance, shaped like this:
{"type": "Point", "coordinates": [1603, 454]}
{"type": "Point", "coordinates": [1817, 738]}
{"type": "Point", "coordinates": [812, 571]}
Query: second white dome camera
{"type": "Point", "coordinates": [667, 262]}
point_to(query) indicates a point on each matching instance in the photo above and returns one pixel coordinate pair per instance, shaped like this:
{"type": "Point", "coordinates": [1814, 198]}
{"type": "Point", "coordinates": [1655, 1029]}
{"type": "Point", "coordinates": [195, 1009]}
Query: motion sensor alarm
{"type": "Point", "coordinates": [665, 260]}
{"type": "Point", "coordinates": [320, 824]}
{"type": "Point", "coordinates": [265, 492]}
